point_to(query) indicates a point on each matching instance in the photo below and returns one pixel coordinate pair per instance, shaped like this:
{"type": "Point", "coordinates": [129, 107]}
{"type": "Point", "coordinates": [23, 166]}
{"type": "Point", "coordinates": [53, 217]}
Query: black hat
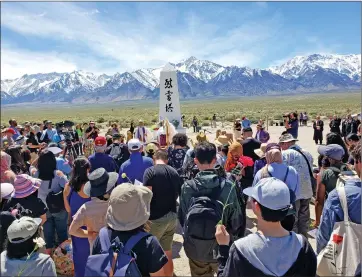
{"type": "Point", "coordinates": [100, 182]}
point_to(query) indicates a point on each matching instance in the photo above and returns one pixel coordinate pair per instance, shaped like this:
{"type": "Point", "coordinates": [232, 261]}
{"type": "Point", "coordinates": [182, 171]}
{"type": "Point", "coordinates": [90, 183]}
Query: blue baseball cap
{"type": "Point", "coordinates": [333, 151]}
{"type": "Point", "coordinates": [270, 193]}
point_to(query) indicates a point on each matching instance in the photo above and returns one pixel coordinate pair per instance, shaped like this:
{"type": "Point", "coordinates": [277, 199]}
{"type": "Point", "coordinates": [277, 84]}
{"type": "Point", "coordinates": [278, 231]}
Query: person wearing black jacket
{"type": "Point", "coordinates": [318, 127]}
{"type": "Point", "coordinates": [272, 250]}
{"type": "Point", "coordinates": [349, 126]}
{"type": "Point", "coordinates": [335, 125]}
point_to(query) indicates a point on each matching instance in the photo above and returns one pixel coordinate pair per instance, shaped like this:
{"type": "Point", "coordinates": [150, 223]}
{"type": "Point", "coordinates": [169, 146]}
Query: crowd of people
{"type": "Point", "coordinates": [112, 204]}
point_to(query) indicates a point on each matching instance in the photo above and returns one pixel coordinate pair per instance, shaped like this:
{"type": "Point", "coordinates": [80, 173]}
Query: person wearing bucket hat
{"type": "Point", "coordinates": [92, 213]}
{"type": "Point", "coordinates": [127, 215]}
{"type": "Point", "coordinates": [302, 161]}
{"type": "Point", "coordinates": [26, 194]}
{"type": "Point", "coordinates": [250, 256]}
{"type": "Point", "coordinates": [7, 191]}
{"type": "Point", "coordinates": [23, 239]}
{"type": "Point", "coordinates": [328, 180]}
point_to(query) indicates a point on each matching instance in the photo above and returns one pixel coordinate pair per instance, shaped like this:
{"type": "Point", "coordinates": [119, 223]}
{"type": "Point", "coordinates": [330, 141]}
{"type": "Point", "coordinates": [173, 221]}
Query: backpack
{"type": "Point", "coordinates": [204, 213]}
{"type": "Point", "coordinates": [55, 200]}
{"type": "Point", "coordinates": [116, 258]}
{"type": "Point", "coordinates": [343, 175]}
{"type": "Point", "coordinates": [342, 254]}
{"type": "Point", "coordinates": [189, 171]}
{"type": "Point", "coordinates": [118, 153]}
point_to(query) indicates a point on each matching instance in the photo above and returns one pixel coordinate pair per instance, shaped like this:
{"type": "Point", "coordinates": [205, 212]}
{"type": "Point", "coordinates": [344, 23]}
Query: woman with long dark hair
{"type": "Point", "coordinates": [74, 198]}
{"type": "Point", "coordinates": [17, 165]}
{"type": "Point", "coordinates": [53, 181]}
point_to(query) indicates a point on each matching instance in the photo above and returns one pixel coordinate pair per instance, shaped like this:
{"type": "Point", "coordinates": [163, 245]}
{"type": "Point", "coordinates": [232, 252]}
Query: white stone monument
{"type": "Point", "coordinates": [170, 98]}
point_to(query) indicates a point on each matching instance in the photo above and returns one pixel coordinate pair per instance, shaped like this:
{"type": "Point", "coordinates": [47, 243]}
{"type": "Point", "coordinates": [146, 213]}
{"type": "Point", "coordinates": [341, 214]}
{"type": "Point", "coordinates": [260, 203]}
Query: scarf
{"type": "Point", "coordinates": [274, 156]}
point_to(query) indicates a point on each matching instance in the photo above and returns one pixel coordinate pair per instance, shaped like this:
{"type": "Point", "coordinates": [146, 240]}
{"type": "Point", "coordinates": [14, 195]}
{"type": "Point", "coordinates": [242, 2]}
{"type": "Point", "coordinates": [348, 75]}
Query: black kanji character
{"type": "Point", "coordinates": [169, 108]}
{"type": "Point", "coordinates": [168, 94]}
{"type": "Point", "coordinates": [168, 83]}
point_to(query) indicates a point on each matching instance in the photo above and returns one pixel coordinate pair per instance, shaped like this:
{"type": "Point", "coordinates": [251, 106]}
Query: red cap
{"type": "Point", "coordinates": [9, 130]}
{"type": "Point", "coordinates": [100, 141]}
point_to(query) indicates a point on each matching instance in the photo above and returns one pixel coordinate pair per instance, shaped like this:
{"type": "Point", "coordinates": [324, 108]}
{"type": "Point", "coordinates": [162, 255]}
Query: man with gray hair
{"type": "Point", "coordinates": [99, 158]}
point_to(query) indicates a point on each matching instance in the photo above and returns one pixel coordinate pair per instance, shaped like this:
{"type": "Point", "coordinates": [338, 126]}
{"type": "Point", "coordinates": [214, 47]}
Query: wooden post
{"type": "Point", "coordinates": [267, 123]}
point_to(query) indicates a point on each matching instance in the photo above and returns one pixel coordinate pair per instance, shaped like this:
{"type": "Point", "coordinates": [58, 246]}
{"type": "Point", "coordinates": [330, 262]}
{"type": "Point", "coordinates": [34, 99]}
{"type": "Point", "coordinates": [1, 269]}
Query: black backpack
{"type": "Point", "coordinates": [204, 213]}
{"type": "Point", "coordinates": [119, 153]}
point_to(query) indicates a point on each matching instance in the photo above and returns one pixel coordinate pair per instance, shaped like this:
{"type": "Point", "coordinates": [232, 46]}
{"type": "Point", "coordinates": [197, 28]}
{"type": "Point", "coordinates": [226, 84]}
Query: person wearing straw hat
{"type": "Point", "coordinates": [22, 256]}
{"type": "Point", "coordinates": [259, 164]}
{"type": "Point", "coordinates": [128, 216]}
{"type": "Point", "coordinates": [92, 214]}
{"type": "Point", "coordinates": [26, 194]}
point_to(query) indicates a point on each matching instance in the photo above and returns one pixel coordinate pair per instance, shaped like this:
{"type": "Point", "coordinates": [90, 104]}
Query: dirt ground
{"type": "Point", "coordinates": [181, 264]}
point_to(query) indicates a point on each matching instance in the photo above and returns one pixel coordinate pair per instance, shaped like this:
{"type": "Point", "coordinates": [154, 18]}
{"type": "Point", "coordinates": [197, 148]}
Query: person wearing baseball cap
{"type": "Point", "coordinates": [302, 161]}
{"type": "Point", "coordinates": [136, 165]}
{"type": "Point", "coordinates": [99, 159]}
{"type": "Point", "coordinates": [334, 153]}
{"type": "Point", "coordinates": [8, 139]}
{"type": "Point", "coordinates": [127, 219]}
{"type": "Point", "coordinates": [23, 239]}
{"type": "Point", "coordinates": [251, 255]}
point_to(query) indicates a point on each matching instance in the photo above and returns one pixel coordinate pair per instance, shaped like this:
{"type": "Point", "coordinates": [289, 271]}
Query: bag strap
{"type": "Point", "coordinates": [310, 170]}
{"type": "Point", "coordinates": [50, 183]}
{"type": "Point", "coordinates": [104, 240]}
{"type": "Point", "coordinates": [343, 199]}
{"type": "Point", "coordinates": [286, 174]}
{"type": "Point", "coordinates": [133, 241]}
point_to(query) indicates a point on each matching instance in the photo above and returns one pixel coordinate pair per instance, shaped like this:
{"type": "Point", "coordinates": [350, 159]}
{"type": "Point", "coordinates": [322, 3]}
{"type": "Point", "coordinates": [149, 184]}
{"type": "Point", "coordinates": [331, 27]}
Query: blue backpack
{"type": "Point", "coordinates": [114, 263]}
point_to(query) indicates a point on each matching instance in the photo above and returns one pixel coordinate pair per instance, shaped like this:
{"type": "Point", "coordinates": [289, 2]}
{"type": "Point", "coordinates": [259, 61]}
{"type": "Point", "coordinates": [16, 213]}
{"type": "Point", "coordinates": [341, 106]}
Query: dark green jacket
{"type": "Point", "coordinates": [234, 217]}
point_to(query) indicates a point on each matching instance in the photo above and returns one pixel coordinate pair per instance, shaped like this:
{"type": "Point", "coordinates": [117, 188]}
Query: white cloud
{"type": "Point", "coordinates": [132, 43]}
{"type": "Point", "coordinates": [15, 63]}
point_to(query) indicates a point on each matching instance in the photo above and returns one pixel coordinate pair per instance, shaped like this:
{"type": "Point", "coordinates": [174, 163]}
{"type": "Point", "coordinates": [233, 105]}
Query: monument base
{"type": "Point", "coordinates": [181, 130]}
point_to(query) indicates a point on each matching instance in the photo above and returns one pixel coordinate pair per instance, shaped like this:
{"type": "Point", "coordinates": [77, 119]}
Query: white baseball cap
{"type": "Point", "coordinates": [134, 144]}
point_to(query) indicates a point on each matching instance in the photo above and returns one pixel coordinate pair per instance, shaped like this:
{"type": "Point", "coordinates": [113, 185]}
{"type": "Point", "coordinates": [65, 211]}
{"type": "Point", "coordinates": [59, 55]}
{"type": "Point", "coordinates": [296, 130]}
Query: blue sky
{"type": "Point", "coordinates": [109, 37]}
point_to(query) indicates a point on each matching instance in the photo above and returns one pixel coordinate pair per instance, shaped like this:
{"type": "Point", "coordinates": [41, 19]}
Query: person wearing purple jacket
{"type": "Point", "coordinates": [262, 135]}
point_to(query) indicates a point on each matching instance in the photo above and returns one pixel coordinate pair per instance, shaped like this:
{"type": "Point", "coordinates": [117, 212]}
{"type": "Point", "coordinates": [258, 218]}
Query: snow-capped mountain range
{"type": "Point", "coordinates": [196, 78]}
